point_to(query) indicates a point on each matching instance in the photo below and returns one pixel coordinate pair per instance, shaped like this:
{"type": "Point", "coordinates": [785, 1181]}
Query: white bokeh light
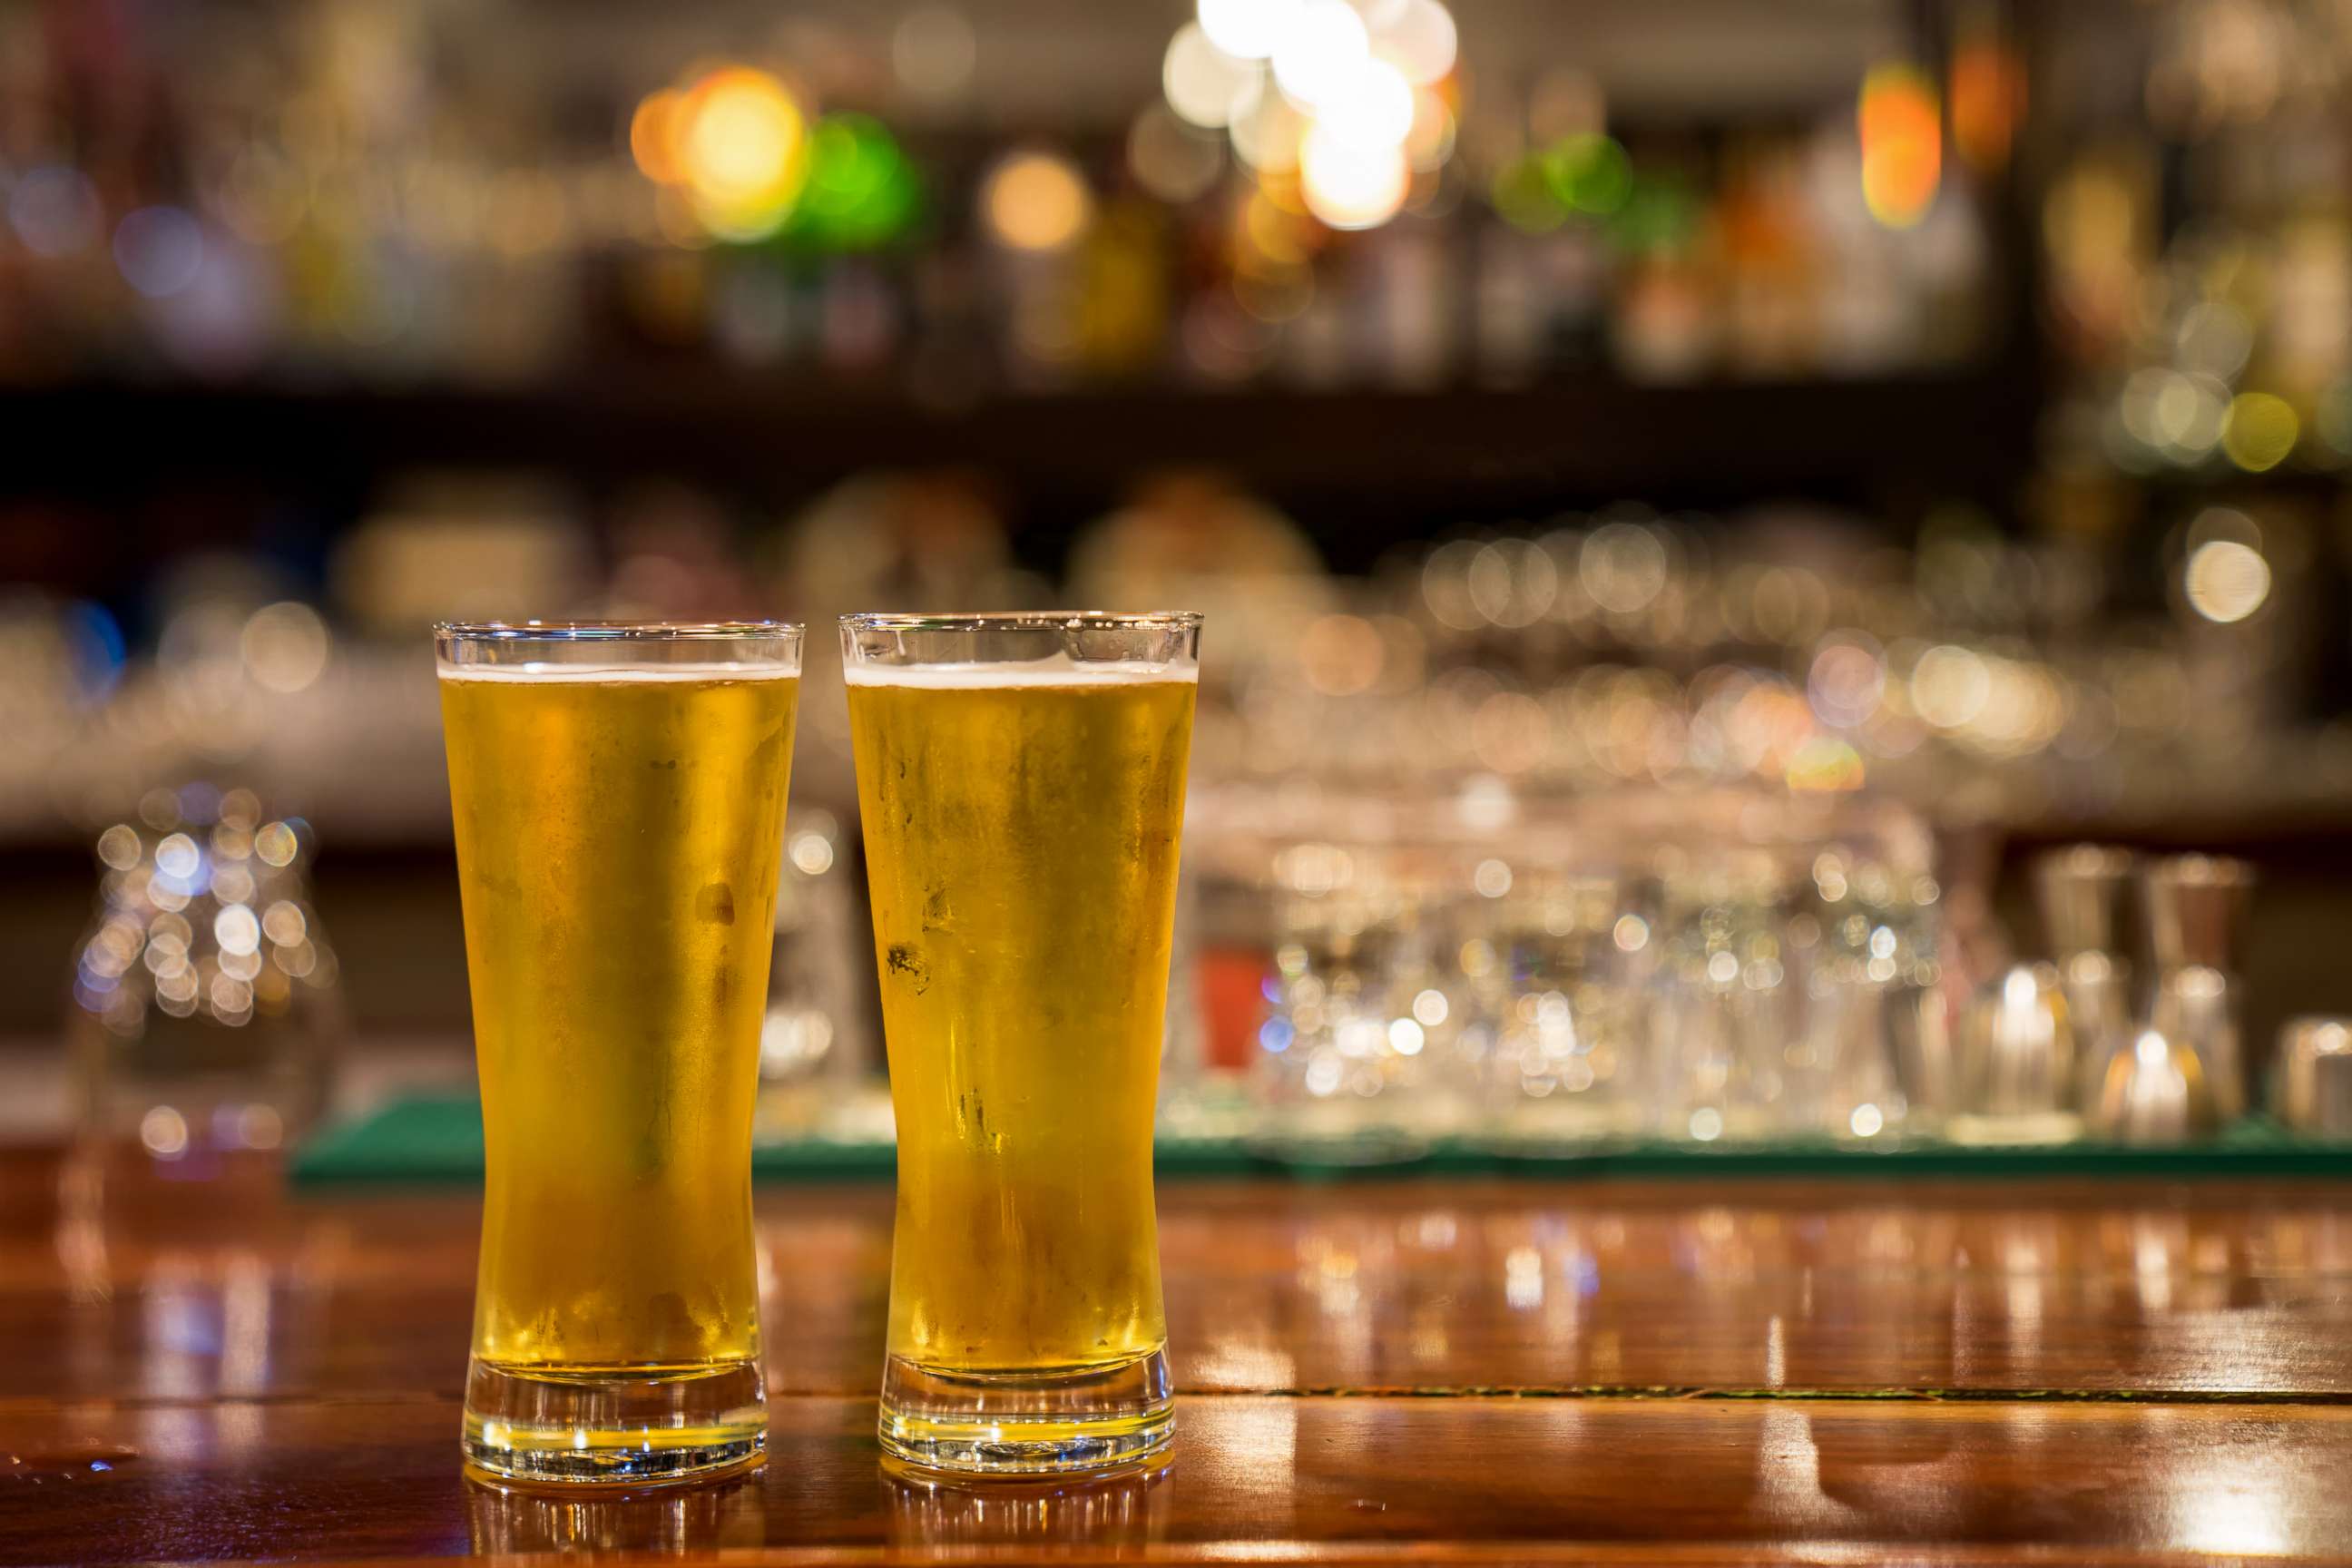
{"type": "Point", "coordinates": [1351, 186]}
{"type": "Point", "coordinates": [2227, 580]}
{"type": "Point", "coordinates": [1247, 29]}
{"type": "Point", "coordinates": [1204, 84]}
{"type": "Point", "coordinates": [1320, 51]}
{"type": "Point", "coordinates": [1420, 40]}
{"type": "Point", "coordinates": [1372, 107]}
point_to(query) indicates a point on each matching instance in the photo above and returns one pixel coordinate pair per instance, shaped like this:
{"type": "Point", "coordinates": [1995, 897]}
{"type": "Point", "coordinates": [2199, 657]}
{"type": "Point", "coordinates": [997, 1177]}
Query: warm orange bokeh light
{"type": "Point", "coordinates": [1902, 144]}
{"type": "Point", "coordinates": [653, 135]}
{"type": "Point", "coordinates": [736, 141]}
{"type": "Point", "coordinates": [1988, 102]}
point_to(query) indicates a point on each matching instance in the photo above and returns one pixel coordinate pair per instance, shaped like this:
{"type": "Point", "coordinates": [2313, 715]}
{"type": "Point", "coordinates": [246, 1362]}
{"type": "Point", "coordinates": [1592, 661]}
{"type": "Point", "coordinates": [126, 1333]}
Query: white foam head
{"type": "Point", "coordinates": [1059, 670]}
{"type": "Point", "coordinates": [540, 673]}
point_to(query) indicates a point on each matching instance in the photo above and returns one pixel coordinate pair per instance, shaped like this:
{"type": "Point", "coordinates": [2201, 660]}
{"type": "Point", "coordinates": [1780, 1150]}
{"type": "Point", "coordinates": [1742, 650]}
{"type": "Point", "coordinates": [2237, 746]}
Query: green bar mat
{"type": "Point", "coordinates": [439, 1139]}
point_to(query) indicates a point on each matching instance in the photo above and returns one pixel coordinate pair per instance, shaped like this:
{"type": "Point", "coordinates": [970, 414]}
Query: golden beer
{"type": "Point", "coordinates": [619, 832]}
{"type": "Point", "coordinates": [1022, 829]}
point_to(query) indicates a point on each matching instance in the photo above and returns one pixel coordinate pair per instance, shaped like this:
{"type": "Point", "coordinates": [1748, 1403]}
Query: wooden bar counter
{"type": "Point", "coordinates": [196, 1364]}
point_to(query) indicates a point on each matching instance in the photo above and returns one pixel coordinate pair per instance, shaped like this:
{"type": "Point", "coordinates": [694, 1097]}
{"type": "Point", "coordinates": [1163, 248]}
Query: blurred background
{"type": "Point", "coordinates": [1668, 482]}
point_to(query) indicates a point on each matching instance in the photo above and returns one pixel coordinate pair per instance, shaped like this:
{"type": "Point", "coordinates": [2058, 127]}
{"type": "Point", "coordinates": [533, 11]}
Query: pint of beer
{"type": "Point", "coordinates": [1021, 783]}
{"type": "Point", "coordinates": [618, 793]}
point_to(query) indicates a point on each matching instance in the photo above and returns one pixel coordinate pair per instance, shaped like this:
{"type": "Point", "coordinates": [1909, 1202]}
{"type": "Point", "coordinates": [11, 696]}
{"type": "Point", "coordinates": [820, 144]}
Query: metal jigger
{"type": "Point", "coordinates": [2080, 891]}
{"type": "Point", "coordinates": [2155, 1092]}
{"type": "Point", "coordinates": [2017, 1062]}
{"type": "Point", "coordinates": [2314, 1076]}
{"type": "Point", "coordinates": [2196, 910]}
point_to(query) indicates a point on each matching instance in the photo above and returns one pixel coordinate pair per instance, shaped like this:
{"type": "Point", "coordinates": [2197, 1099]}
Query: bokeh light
{"type": "Point", "coordinates": [1036, 201]}
{"type": "Point", "coordinates": [654, 132]}
{"type": "Point", "coordinates": [1512, 583]}
{"type": "Point", "coordinates": [55, 210]}
{"type": "Point", "coordinates": [1988, 92]}
{"type": "Point", "coordinates": [2259, 430]}
{"type": "Point", "coordinates": [1589, 173]}
{"type": "Point", "coordinates": [1622, 566]}
{"type": "Point", "coordinates": [1321, 50]}
{"type": "Point", "coordinates": [1847, 678]}
{"type": "Point", "coordinates": [165, 1131]}
{"type": "Point", "coordinates": [1360, 78]}
{"type": "Point", "coordinates": [1350, 186]}
{"type": "Point", "coordinates": [1429, 142]}
{"type": "Point", "coordinates": [860, 192]}
{"type": "Point", "coordinates": [1421, 39]}
{"type": "Point", "coordinates": [1341, 655]}
{"type": "Point", "coordinates": [1267, 138]}
{"type": "Point", "coordinates": [160, 251]}
{"type": "Point", "coordinates": [2226, 581]}
{"type": "Point", "coordinates": [2214, 339]}
{"type": "Point", "coordinates": [1950, 685]}
{"type": "Point", "coordinates": [742, 148]}
{"type": "Point", "coordinates": [1248, 29]}
{"type": "Point", "coordinates": [1372, 107]}
{"type": "Point", "coordinates": [1204, 84]}
{"type": "Point", "coordinates": [284, 647]}
{"type": "Point", "coordinates": [1171, 159]}
{"type": "Point", "coordinates": [1661, 214]}
{"type": "Point", "coordinates": [2332, 420]}
{"type": "Point", "coordinates": [933, 52]}
{"type": "Point", "coordinates": [1902, 144]}
{"type": "Point", "coordinates": [1523, 197]}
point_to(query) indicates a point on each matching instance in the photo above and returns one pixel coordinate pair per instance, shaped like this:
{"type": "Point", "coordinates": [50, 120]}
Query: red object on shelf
{"type": "Point", "coordinates": [1232, 981]}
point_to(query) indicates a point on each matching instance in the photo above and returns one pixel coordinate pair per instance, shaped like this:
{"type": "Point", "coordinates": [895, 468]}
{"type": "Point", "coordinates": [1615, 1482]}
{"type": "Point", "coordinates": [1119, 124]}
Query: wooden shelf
{"type": "Point", "coordinates": [1578, 442]}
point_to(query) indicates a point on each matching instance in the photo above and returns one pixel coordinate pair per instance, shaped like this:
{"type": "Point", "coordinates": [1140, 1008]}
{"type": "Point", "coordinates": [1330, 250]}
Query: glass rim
{"type": "Point", "coordinates": [615, 631]}
{"type": "Point", "coordinates": [1022, 620]}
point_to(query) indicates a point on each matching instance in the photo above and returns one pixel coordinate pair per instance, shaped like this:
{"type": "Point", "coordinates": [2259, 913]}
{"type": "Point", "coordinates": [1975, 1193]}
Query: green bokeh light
{"type": "Point", "coordinates": [861, 193]}
{"type": "Point", "coordinates": [1659, 212]}
{"type": "Point", "coordinates": [1590, 174]}
{"type": "Point", "coordinates": [1524, 197]}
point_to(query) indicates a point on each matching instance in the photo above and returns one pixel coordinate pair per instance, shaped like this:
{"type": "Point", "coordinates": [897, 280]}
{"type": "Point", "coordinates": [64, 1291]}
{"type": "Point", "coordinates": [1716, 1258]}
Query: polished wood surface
{"type": "Point", "coordinates": [197, 1364]}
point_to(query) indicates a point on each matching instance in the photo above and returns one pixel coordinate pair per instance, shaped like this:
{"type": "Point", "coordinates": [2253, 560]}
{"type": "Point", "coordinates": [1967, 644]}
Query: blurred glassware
{"type": "Point", "coordinates": [2196, 910]}
{"type": "Point", "coordinates": [1722, 1019]}
{"type": "Point", "coordinates": [1889, 1050]}
{"type": "Point", "coordinates": [1344, 1072]}
{"type": "Point", "coordinates": [207, 1014]}
{"type": "Point", "coordinates": [451, 545]}
{"type": "Point", "coordinates": [1566, 1066]}
{"type": "Point", "coordinates": [1538, 973]}
{"type": "Point", "coordinates": [2314, 1076]}
{"type": "Point", "coordinates": [2155, 1092]}
{"type": "Point", "coordinates": [2098, 997]}
{"type": "Point", "coordinates": [2017, 1063]}
{"type": "Point", "coordinates": [814, 1040]}
{"type": "Point", "coordinates": [1865, 933]}
{"type": "Point", "coordinates": [2079, 889]}
{"type": "Point", "coordinates": [1194, 538]}
{"type": "Point", "coordinates": [2199, 1007]}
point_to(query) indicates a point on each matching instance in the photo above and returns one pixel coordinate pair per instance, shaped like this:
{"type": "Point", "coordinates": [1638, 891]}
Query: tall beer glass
{"type": "Point", "coordinates": [1021, 781]}
{"type": "Point", "coordinates": [619, 798]}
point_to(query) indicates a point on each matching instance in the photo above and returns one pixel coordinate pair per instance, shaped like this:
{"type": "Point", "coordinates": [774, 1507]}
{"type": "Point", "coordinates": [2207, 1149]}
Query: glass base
{"type": "Point", "coordinates": [2023, 1129]}
{"type": "Point", "coordinates": [1562, 1124]}
{"type": "Point", "coordinates": [1050, 1421]}
{"type": "Point", "coordinates": [613, 1425]}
